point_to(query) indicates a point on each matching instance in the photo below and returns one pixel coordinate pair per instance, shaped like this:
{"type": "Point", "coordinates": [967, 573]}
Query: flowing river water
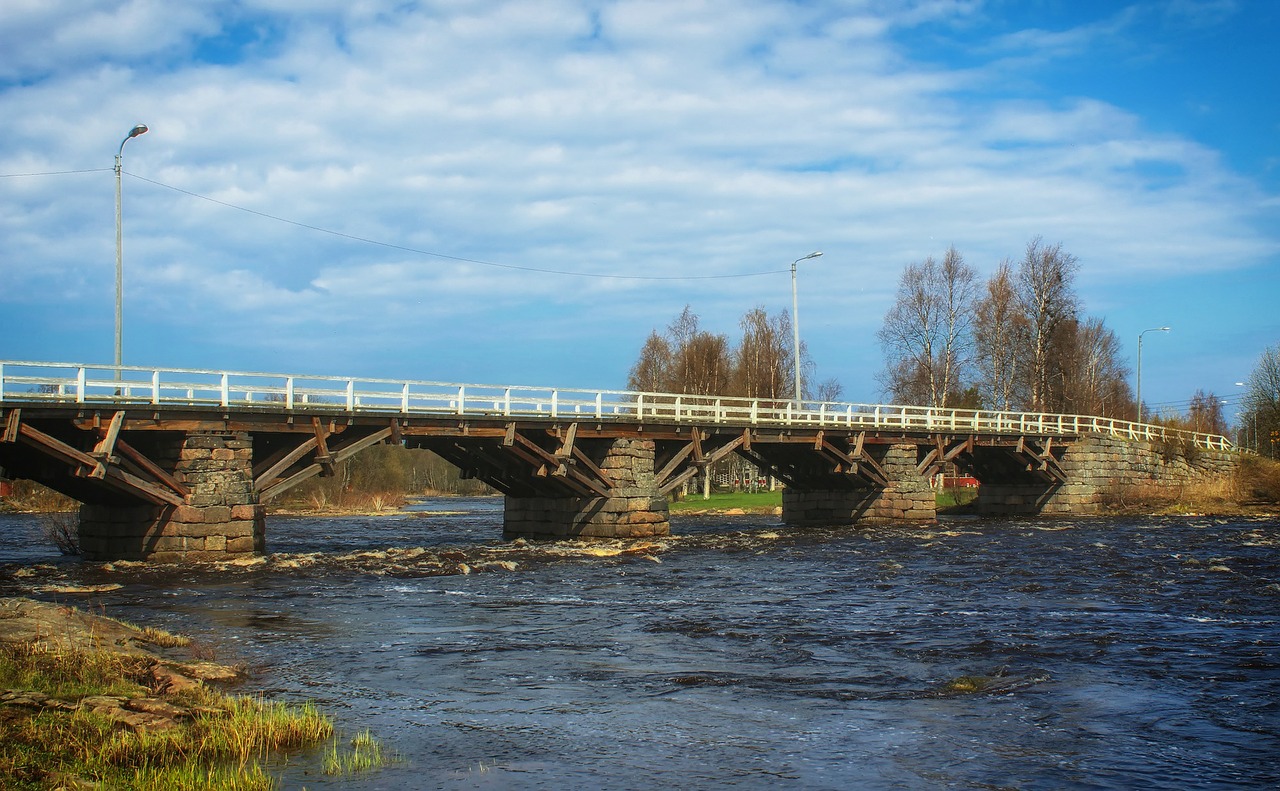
{"type": "Point", "coordinates": [1085, 653]}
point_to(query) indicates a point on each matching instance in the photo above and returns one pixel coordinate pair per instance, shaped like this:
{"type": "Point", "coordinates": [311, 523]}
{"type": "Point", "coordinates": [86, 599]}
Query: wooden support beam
{"type": "Point", "coordinates": [662, 476]}
{"type": "Point", "coordinates": [104, 451]}
{"type": "Point", "coordinates": [585, 460]}
{"type": "Point", "coordinates": [260, 482]}
{"type": "Point", "coordinates": [571, 475]}
{"type": "Point", "coordinates": [11, 423]}
{"type": "Point", "coordinates": [667, 485]}
{"type": "Point", "coordinates": [151, 468]}
{"type": "Point", "coordinates": [323, 457]}
{"type": "Point", "coordinates": [769, 466]}
{"type": "Point", "coordinates": [80, 462]}
{"type": "Point", "coordinates": [566, 444]}
{"type": "Point", "coordinates": [342, 453]}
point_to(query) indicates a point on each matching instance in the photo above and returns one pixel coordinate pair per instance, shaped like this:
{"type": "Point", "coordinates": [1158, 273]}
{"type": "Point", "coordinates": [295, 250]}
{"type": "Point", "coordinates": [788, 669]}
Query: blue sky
{"type": "Point", "coordinates": [395, 189]}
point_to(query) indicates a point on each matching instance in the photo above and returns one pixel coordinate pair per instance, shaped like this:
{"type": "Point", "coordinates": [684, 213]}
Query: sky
{"type": "Point", "coordinates": [519, 192]}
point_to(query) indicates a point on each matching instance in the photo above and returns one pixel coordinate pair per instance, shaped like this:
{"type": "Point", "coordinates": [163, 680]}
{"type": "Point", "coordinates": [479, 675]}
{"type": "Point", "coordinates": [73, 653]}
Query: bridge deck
{"type": "Point", "coordinates": [257, 399]}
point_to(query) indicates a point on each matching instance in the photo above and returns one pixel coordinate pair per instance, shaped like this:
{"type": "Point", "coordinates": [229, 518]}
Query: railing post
{"type": "Point", "coordinates": [288, 393]}
{"type": "Point", "coordinates": [80, 384]}
{"type": "Point", "coordinates": [351, 395]}
{"type": "Point", "coordinates": [224, 391]}
{"type": "Point", "coordinates": [599, 405]}
{"type": "Point", "coordinates": [462, 393]}
{"type": "Point", "coordinates": [404, 398]}
{"type": "Point", "coordinates": [640, 406]}
{"type": "Point", "coordinates": [1, 381]}
{"type": "Point", "coordinates": [506, 402]}
{"type": "Point", "coordinates": [755, 411]}
{"type": "Point", "coordinates": [555, 403]}
{"type": "Point", "coordinates": [155, 386]}
{"type": "Point", "coordinates": [679, 403]}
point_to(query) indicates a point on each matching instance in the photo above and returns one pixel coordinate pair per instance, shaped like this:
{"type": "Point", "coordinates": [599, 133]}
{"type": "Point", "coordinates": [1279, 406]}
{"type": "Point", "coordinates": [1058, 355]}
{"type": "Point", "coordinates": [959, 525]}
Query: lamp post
{"type": "Point", "coordinates": [1254, 413]}
{"type": "Point", "coordinates": [795, 321]}
{"type": "Point", "coordinates": [1144, 332]}
{"type": "Point", "coordinates": [134, 132]}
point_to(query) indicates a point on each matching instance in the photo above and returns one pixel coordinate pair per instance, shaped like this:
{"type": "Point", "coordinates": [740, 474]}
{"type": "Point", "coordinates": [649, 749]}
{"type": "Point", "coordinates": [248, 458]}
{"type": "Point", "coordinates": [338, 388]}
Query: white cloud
{"type": "Point", "coordinates": [651, 139]}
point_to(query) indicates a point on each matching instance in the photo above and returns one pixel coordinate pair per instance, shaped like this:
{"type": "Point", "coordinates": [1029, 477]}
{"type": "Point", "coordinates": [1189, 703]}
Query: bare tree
{"type": "Point", "coordinates": [1205, 414]}
{"type": "Point", "coordinates": [686, 360]}
{"type": "Point", "coordinates": [1094, 374]}
{"type": "Point", "coordinates": [1262, 403]}
{"type": "Point", "coordinates": [927, 333]}
{"type": "Point", "coordinates": [1047, 299]}
{"type": "Point", "coordinates": [1000, 339]}
{"type": "Point", "coordinates": [763, 357]}
{"type": "Point", "coordinates": [652, 371]}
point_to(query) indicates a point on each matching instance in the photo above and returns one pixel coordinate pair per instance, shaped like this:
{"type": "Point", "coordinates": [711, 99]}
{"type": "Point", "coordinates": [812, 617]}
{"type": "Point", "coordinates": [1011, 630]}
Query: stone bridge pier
{"type": "Point", "coordinates": [218, 518]}
{"type": "Point", "coordinates": [889, 489]}
{"type": "Point", "coordinates": [631, 506]}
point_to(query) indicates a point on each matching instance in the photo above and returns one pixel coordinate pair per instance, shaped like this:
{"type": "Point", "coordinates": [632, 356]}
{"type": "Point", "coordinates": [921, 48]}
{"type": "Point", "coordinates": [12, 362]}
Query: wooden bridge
{"type": "Point", "coordinates": [177, 464]}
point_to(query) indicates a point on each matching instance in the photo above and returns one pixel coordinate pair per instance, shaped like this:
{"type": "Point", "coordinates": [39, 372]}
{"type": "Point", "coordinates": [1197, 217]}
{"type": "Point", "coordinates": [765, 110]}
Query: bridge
{"type": "Point", "coordinates": [176, 465]}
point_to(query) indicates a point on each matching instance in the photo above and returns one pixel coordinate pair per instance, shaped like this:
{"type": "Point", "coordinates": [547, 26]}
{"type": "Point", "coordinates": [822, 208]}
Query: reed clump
{"type": "Point", "coordinates": [365, 755]}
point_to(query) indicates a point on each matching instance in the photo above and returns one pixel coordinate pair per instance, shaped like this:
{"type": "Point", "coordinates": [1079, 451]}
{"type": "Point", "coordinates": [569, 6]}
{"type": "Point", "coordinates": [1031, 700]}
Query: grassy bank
{"type": "Point", "coordinates": [93, 706]}
{"type": "Point", "coordinates": [746, 502]}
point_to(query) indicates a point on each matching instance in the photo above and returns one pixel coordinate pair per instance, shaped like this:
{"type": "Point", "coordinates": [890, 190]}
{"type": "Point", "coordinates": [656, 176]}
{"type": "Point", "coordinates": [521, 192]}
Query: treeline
{"type": "Point", "coordinates": [688, 359]}
{"type": "Point", "coordinates": [1019, 341]}
{"type": "Point", "coordinates": [382, 476]}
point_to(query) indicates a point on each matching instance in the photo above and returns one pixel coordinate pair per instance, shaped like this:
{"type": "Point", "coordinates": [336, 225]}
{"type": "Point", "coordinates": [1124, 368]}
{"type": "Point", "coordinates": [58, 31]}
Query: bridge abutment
{"type": "Point", "coordinates": [907, 497]}
{"type": "Point", "coordinates": [634, 508]}
{"type": "Point", "coordinates": [1101, 470]}
{"type": "Point", "coordinates": [218, 520]}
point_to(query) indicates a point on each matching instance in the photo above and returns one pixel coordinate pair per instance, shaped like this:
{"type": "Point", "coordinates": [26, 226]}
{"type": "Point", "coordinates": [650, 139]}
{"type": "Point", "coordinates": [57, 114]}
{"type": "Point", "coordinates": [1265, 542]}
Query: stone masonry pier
{"type": "Point", "coordinates": [219, 519]}
{"type": "Point", "coordinates": [633, 508]}
{"type": "Point", "coordinates": [907, 497]}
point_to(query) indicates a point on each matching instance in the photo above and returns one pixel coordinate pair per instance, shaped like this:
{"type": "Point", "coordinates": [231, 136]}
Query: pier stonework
{"type": "Point", "coordinates": [1100, 471]}
{"type": "Point", "coordinates": [908, 497]}
{"type": "Point", "coordinates": [634, 508]}
{"type": "Point", "coordinates": [219, 519]}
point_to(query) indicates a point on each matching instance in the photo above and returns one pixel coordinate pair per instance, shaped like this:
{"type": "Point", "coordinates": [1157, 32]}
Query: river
{"type": "Point", "coordinates": [1028, 654]}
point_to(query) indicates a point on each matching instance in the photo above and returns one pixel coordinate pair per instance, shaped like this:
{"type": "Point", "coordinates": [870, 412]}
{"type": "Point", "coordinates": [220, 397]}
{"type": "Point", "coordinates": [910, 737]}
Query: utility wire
{"type": "Point", "coordinates": [53, 173]}
{"type": "Point", "coordinates": [445, 256]}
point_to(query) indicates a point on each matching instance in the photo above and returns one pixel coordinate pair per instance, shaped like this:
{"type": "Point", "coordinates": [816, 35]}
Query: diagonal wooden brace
{"type": "Point", "coordinates": [11, 424]}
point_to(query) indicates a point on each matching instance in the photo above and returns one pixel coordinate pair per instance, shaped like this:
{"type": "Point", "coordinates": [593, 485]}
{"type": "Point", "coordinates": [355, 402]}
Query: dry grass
{"type": "Point", "coordinates": [1255, 482]}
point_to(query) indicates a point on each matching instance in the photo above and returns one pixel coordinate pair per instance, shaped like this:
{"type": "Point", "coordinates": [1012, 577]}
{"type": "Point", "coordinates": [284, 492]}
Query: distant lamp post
{"type": "Point", "coordinates": [1254, 414]}
{"type": "Point", "coordinates": [134, 132]}
{"type": "Point", "coordinates": [1144, 332]}
{"type": "Point", "coordinates": [795, 321]}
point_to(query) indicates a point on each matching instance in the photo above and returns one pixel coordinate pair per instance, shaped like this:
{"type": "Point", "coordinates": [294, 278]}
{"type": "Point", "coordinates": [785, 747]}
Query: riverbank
{"type": "Point", "coordinates": [87, 701]}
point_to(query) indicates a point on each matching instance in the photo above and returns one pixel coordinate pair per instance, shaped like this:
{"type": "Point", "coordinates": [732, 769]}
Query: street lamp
{"type": "Point", "coordinates": [1254, 413]}
{"type": "Point", "coordinates": [1144, 332]}
{"type": "Point", "coordinates": [134, 132]}
{"type": "Point", "coordinates": [795, 321]}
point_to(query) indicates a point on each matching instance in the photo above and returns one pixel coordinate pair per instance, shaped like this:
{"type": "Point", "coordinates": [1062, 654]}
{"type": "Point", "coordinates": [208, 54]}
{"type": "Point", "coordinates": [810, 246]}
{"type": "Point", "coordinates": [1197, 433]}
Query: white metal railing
{"type": "Point", "coordinates": [102, 385]}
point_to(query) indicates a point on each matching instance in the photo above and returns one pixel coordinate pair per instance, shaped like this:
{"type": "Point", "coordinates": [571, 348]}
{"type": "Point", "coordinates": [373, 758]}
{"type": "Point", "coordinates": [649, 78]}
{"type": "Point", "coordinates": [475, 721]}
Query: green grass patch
{"type": "Point", "coordinates": [222, 745]}
{"type": "Point", "coordinates": [724, 501]}
{"type": "Point", "coordinates": [957, 497]}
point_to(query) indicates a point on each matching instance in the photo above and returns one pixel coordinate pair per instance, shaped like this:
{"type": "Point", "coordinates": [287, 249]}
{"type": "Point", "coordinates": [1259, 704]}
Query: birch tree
{"type": "Point", "coordinates": [927, 333]}
{"type": "Point", "coordinates": [1000, 334]}
{"type": "Point", "coordinates": [1047, 299]}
